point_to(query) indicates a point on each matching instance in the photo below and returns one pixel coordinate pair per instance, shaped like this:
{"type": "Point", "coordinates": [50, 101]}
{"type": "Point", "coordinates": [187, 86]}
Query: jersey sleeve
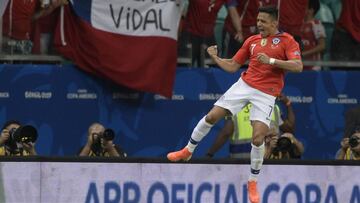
{"type": "Point", "coordinates": [292, 50]}
{"type": "Point", "coordinates": [244, 52]}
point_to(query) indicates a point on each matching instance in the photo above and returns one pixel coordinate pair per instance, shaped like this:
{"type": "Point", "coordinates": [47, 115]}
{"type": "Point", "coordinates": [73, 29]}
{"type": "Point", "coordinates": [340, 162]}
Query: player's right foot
{"type": "Point", "coordinates": [183, 154]}
{"type": "Point", "coordinates": [253, 193]}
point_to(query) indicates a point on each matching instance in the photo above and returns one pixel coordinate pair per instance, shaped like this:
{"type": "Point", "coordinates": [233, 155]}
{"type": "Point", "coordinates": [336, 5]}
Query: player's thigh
{"type": "Point", "coordinates": [262, 107]}
{"type": "Point", "coordinates": [235, 98]}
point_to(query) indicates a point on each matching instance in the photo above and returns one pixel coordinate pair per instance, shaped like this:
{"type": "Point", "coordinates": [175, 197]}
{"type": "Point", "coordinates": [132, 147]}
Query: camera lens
{"type": "Point", "coordinates": [25, 134]}
{"type": "Point", "coordinates": [109, 134]}
{"type": "Point", "coordinates": [284, 144]}
{"type": "Point", "coordinates": [353, 141]}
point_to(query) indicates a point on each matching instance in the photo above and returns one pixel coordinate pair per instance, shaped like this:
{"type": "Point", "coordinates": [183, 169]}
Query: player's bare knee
{"type": "Point", "coordinates": [210, 119]}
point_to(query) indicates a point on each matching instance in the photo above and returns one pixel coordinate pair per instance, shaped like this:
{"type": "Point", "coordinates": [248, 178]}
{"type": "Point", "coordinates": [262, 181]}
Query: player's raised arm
{"type": "Point", "coordinates": [294, 65]}
{"type": "Point", "coordinates": [229, 65]}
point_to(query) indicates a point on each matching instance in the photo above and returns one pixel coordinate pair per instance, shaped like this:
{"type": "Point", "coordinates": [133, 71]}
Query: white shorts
{"type": "Point", "coordinates": [241, 94]}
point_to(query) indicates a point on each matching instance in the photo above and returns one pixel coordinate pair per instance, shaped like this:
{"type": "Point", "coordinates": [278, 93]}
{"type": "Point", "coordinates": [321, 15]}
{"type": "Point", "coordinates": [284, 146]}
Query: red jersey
{"type": "Point", "coordinates": [248, 11]}
{"type": "Point", "coordinates": [264, 77]}
{"type": "Point", "coordinates": [17, 18]}
{"type": "Point", "coordinates": [350, 18]}
{"type": "Point", "coordinates": [311, 32]}
{"type": "Point", "coordinates": [201, 16]}
{"type": "Point", "coordinates": [291, 14]}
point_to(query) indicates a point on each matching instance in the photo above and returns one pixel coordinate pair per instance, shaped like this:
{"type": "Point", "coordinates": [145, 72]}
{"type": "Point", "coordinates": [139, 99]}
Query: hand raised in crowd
{"type": "Point", "coordinates": [212, 50]}
{"type": "Point", "coordinates": [4, 136]}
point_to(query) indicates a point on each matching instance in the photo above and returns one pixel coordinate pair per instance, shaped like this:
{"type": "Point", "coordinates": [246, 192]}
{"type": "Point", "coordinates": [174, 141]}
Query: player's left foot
{"type": "Point", "coordinates": [183, 154]}
{"type": "Point", "coordinates": [253, 193]}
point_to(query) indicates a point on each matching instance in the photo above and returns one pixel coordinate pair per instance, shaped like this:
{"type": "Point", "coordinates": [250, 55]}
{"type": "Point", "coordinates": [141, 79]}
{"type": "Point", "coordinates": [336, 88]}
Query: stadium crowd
{"type": "Point", "coordinates": [325, 29]}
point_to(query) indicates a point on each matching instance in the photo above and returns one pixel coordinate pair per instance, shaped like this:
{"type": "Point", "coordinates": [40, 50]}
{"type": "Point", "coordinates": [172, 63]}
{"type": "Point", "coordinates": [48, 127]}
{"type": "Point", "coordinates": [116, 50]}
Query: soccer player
{"type": "Point", "coordinates": [271, 53]}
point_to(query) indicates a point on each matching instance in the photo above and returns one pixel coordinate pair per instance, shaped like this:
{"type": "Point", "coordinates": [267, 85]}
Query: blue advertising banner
{"type": "Point", "coordinates": [61, 102]}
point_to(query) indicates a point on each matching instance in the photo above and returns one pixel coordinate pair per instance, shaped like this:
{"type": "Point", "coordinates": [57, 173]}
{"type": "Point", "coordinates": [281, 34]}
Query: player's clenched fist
{"type": "Point", "coordinates": [263, 58]}
{"type": "Point", "coordinates": [212, 50]}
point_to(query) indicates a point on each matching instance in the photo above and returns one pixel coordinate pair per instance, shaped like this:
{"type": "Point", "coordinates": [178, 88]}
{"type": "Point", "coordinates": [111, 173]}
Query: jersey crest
{"type": "Point", "coordinates": [276, 41]}
{"type": "Point", "coordinates": [263, 42]}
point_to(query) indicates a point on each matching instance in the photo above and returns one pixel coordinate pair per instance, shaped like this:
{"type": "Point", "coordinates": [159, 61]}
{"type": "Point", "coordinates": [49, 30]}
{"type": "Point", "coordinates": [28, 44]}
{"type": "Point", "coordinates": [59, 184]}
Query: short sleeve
{"type": "Point", "coordinates": [292, 50]}
{"type": "Point", "coordinates": [244, 52]}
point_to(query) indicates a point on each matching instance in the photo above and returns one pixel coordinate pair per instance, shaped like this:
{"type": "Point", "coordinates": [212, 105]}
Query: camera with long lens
{"type": "Point", "coordinates": [108, 134]}
{"type": "Point", "coordinates": [353, 141]}
{"type": "Point", "coordinates": [283, 144]}
{"type": "Point", "coordinates": [23, 134]}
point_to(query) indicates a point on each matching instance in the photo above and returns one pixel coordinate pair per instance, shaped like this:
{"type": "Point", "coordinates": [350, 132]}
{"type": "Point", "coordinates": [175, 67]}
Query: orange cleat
{"type": "Point", "coordinates": [183, 154]}
{"type": "Point", "coordinates": [253, 192]}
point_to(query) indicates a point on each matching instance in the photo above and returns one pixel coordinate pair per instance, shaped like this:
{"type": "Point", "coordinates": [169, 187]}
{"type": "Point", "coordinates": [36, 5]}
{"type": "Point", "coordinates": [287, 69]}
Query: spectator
{"type": "Point", "coordinates": [350, 147]}
{"type": "Point", "coordinates": [312, 35]}
{"type": "Point", "coordinates": [239, 24]}
{"type": "Point", "coordinates": [238, 130]}
{"type": "Point", "coordinates": [346, 37]}
{"type": "Point", "coordinates": [44, 26]}
{"type": "Point", "coordinates": [100, 143]}
{"type": "Point", "coordinates": [198, 29]}
{"type": "Point", "coordinates": [285, 146]}
{"type": "Point", "coordinates": [17, 140]}
{"type": "Point", "coordinates": [17, 26]}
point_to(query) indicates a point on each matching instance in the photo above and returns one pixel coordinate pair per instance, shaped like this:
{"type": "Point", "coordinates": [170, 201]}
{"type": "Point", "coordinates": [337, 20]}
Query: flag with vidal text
{"type": "Point", "coordinates": [130, 42]}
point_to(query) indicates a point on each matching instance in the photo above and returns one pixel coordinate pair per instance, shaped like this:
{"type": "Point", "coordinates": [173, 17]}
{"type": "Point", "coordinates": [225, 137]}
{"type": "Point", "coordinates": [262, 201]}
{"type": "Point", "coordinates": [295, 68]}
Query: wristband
{"type": "Point", "coordinates": [272, 61]}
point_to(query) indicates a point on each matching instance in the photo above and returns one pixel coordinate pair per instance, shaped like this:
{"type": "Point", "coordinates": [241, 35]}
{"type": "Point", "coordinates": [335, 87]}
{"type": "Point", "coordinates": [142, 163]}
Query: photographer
{"type": "Point", "coordinates": [350, 147]}
{"type": "Point", "coordinates": [100, 143]}
{"type": "Point", "coordinates": [285, 146]}
{"type": "Point", "coordinates": [17, 140]}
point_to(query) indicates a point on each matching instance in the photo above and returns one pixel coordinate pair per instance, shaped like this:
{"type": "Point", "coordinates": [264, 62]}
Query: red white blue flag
{"type": "Point", "coordinates": [131, 42]}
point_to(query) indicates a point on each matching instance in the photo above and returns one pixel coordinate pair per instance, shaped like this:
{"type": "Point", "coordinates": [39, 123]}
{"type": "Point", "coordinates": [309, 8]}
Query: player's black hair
{"type": "Point", "coordinates": [271, 10]}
